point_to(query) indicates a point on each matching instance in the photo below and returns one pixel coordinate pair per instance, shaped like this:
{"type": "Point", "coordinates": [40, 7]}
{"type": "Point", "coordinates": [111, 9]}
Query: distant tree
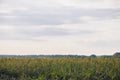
{"type": "Point", "coordinates": [106, 56]}
{"type": "Point", "coordinates": [93, 56]}
{"type": "Point", "coordinates": [117, 54]}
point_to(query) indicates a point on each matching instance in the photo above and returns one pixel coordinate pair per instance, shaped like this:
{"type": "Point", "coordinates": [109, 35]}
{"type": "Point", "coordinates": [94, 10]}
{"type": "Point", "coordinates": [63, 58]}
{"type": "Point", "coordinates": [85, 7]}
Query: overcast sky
{"type": "Point", "coordinates": [81, 27]}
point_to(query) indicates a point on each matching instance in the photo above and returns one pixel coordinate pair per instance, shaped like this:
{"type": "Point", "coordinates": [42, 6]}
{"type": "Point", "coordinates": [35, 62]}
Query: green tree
{"type": "Point", "coordinates": [117, 54]}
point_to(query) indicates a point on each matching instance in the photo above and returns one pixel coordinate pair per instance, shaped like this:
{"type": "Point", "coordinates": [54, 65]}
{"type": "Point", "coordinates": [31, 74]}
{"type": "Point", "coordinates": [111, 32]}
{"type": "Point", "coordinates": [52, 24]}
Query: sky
{"type": "Point", "coordinates": [78, 27]}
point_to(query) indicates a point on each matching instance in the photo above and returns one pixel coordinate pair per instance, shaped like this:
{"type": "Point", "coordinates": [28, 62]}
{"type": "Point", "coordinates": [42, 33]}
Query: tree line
{"type": "Point", "coordinates": [115, 55]}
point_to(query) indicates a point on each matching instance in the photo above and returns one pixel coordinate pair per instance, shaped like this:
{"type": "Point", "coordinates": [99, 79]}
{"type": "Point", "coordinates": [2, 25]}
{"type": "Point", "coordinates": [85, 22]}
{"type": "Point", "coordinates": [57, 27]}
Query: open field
{"type": "Point", "coordinates": [60, 69]}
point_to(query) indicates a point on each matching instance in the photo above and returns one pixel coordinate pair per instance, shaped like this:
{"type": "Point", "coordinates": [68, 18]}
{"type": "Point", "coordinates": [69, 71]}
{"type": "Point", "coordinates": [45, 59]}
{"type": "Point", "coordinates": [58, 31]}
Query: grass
{"type": "Point", "coordinates": [60, 69]}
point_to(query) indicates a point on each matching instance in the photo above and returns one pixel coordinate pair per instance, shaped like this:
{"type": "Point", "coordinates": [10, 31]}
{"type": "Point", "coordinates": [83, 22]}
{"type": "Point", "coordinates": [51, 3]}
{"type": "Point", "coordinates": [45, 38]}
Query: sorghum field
{"type": "Point", "coordinates": [59, 69]}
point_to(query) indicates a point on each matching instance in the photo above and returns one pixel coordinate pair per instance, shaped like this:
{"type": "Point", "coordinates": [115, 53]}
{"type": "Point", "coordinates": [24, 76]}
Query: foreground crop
{"type": "Point", "coordinates": [60, 69]}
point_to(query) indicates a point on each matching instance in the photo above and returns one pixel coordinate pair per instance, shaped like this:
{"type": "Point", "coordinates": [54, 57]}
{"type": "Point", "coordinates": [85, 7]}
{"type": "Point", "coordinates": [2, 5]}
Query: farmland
{"type": "Point", "coordinates": [59, 69]}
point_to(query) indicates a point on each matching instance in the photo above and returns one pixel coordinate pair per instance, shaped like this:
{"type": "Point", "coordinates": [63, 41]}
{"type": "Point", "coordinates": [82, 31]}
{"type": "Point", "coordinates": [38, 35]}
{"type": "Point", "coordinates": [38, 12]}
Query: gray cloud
{"type": "Point", "coordinates": [44, 32]}
{"type": "Point", "coordinates": [66, 25]}
{"type": "Point", "coordinates": [29, 33]}
{"type": "Point", "coordinates": [31, 13]}
{"type": "Point", "coordinates": [105, 43]}
{"type": "Point", "coordinates": [55, 16]}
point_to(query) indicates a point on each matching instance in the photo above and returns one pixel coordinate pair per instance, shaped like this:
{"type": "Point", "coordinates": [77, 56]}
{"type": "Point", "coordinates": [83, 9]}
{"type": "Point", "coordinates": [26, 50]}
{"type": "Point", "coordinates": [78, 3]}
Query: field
{"type": "Point", "coordinates": [60, 69]}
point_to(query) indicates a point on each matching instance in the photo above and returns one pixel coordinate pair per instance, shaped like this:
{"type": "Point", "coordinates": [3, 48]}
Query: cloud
{"type": "Point", "coordinates": [70, 3]}
{"type": "Point", "coordinates": [106, 43]}
{"type": "Point", "coordinates": [54, 17]}
{"type": "Point", "coordinates": [61, 23]}
{"type": "Point", "coordinates": [56, 12]}
{"type": "Point", "coordinates": [44, 32]}
{"type": "Point", "coordinates": [31, 32]}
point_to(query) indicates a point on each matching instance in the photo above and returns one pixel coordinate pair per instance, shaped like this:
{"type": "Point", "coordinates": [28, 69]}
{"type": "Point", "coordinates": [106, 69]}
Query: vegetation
{"type": "Point", "coordinates": [59, 69]}
{"type": "Point", "coordinates": [117, 55]}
